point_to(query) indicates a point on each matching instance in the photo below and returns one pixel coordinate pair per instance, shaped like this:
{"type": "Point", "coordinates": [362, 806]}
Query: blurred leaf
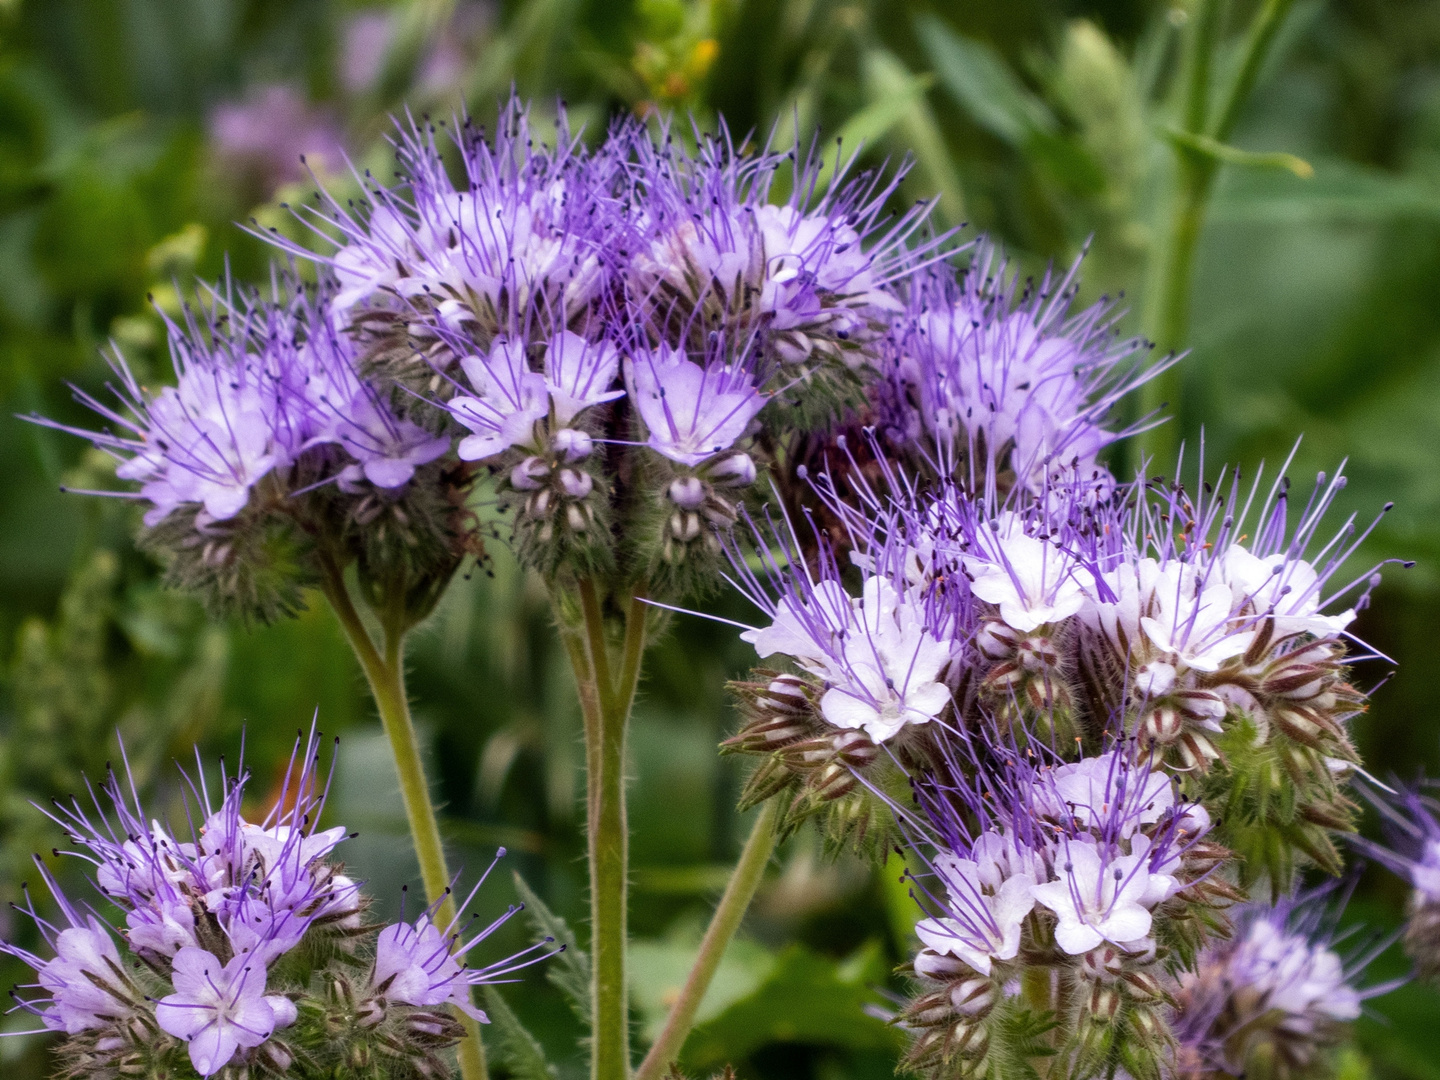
{"type": "Point", "coordinates": [1226, 154]}
{"type": "Point", "coordinates": [983, 84]}
{"type": "Point", "coordinates": [570, 970]}
{"type": "Point", "coordinates": [886, 78]}
{"type": "Point", "coordinates": [516, 1048]}
{"type": "Point", "coordinates": [807, 998]}
{"type": "Point", "coordinates": [1341, 191]}
{"type": "Point", "coordinates": [658, 970]}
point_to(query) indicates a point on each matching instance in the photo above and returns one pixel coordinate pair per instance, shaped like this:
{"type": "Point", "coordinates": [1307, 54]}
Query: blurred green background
{"type": "Point", "coordinates": [135, 133]}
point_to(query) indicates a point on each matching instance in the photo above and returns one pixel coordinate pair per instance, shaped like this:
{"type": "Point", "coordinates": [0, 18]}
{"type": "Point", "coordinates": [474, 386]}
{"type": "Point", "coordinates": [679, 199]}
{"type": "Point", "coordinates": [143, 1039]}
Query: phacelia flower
{"type": "Point", "coordinates": [220, 1008]}
{"type": "Point", "coordinates": [692, 412]}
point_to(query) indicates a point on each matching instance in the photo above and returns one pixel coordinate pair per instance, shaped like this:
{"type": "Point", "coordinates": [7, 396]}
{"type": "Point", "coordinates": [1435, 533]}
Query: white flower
{"type": "Point", "coordinates": [1286, 589]}
{"type": "Point", "coordinates": [1191, 619]}
{"type": "Point", "coordinates": [988, 900]}
{"type": "Point", "coordinates": [1103, 788]}
{"type": "Point", "coordinates": [1099, 896]}
{"type": "Point", "coordinates": [509, 400]}
{"type": "Point", "coordinates": [1031, 581]}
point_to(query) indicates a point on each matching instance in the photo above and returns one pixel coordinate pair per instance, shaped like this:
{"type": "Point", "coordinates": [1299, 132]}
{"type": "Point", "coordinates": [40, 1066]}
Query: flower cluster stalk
{"type": "Point", "coordinates": [607, 693]}
{"type": "Point", "coordinates": [739, 891]}
{"type": "Point", "coordinates": [385, 673]}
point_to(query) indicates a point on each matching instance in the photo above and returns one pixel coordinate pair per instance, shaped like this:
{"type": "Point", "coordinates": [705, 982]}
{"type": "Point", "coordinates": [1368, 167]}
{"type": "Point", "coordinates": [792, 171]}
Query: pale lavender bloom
{"type": "Point", "coordinates": [1278, 982]}
{"type": "Point", "coordinates": [579, 374]}
{"type": "Point", "coordinates": [809, 274]}
{"type": "Point", "coordinates": [271, 131]}
{"type": "Point", "coordinates": [347, 412]}
{"type": "Point", "coordinates": [420, 964]}
{"type": "Point", "coordinates": [265, 884]}
{"type": "Point", "coordinates": [882, 655]}
{"type": "Point", "coordinates": [984, 365]}
{"type": "Point", "coordinates": [84, 983]}
{"type": "Point", "coordinates": [508, 400]}
{"type": "Point", "coordinates": [220, 1008]}
{"type": "Point", "coordinates": [691, 412]}
{"type": "Point", "coordinates": [1100, 894]}
{"type": "Point", "coordinates": [987, 897]}
{"type": "Point", "coordinates": [530, 227]}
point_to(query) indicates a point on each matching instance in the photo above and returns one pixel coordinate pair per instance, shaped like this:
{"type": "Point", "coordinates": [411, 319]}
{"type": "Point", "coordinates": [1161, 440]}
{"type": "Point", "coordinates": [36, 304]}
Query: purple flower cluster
{"type": "Point", "coordinates": [211, 922]}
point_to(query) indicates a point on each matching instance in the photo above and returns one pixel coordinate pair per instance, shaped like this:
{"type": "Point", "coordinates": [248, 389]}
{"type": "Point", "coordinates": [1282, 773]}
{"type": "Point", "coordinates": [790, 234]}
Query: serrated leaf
{"type": "Point", "coordinates": [569, 971]}
{"type": "Point", "coordinates": [515, 1048]}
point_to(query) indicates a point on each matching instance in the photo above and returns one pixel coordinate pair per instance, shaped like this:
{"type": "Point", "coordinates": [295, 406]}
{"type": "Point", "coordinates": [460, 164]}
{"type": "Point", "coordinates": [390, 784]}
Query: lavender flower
{"type": "Point", "coordinates": [529, 227]}
{"type": "Point", "coordinates": [811, 275]}
{"type": "Point", "coordinates": [881, 656]}
{"type": "Point", "coordinates": [1005, 374]}
{"type": "Point", "coordinates": [218, 1009]}
{"type": "Point", "coordinates": [691, 412]}
{"type": "Point", "coordinates": [1411, 818]}
{"type": "Point", "coordinates": [1276, 994]}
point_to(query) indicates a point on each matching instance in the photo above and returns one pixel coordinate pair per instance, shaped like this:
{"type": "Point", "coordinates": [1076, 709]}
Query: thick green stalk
{"type": "Point", "coordinates": [1167, 318]}
{"type": "Point", "coordinates": [605, 702]}
{"type": "Point", "coordinates": [739, 891]}
{"type": "Point", "coordinates": [385, 672]}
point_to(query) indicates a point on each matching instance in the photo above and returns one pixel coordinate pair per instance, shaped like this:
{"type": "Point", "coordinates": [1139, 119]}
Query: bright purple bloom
{"type": "Point", "coordinates": [219, 1008]}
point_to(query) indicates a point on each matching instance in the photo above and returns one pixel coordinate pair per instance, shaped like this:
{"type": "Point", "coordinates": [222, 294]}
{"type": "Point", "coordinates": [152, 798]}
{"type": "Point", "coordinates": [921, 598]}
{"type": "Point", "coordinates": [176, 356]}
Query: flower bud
{"type": "Point", "coordinates": [576, 519]}
{"type": "Point", "coordinates": [972, 997]}
{"type": "Point", "coordinates": [687, 492]}
{"type": "Point", "coordinates": [575, 483]}
{"type": "Point", "coordinates": [572, 444]}
{"type": "Point", "coordinates": [854, 748]}
{"type": "Point", "coordinates": [737, 470]}
{"type": "Point", "coordinates": [530, 474]}
{"type": "Point", "coordinates": [932, 965]}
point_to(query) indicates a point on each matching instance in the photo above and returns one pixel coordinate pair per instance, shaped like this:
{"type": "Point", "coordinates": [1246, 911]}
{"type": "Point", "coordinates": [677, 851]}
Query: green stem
{"type": "Point", "coordinates": [385, 672]}
{"type": "Point", "coordinates": [606, 705]}
{"type": "Point", "coordinates": [1167, 319]}
{"type": "Point", "coordinates": [738, 893]}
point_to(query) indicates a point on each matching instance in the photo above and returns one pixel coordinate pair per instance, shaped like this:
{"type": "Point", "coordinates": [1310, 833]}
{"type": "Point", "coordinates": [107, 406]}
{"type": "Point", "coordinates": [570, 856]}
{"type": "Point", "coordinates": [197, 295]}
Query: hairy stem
{"type": "Point", "coordinates": [739, 891]}
{"type": "Point", "coordinates": [605, 703]}
{"type": "Point", "coordinates": [385, 672]}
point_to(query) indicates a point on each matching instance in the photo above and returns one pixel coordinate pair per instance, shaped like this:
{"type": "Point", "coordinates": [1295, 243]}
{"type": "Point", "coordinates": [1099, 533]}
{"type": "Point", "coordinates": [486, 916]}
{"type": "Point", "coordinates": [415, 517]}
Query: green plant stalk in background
{"type": "Point", "coordinates": [1200, 151]}
{"type": "Point", "coordinates": [385, 674]}
{"type": "Point", "coordinates": [607, 695]}
{"type": "Point", "coordinates": [739, 891]}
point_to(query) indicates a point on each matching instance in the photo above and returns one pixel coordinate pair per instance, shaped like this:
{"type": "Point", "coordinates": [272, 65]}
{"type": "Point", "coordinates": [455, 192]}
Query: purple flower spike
{"type": "Point", "coordinates": [219, 1008]}
{"type": "Point", "coordinates": [691, 413]}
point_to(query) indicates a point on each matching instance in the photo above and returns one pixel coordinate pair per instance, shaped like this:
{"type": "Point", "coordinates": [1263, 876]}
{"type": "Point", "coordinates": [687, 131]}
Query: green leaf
{"type": "Point", "coordinates": [1233, 155]}
{"type": "Point", "coordinates": [983, 85]}
{"type": "Point", "coordinates": [1341, 192]}
{"type": "Point", "coordinates": [517, 1049]}
{"type": "Point", "coordinates": [569, 971]}
{"type": "Point", "coordinates": [658, 970]}
{"type": "Point", "coordinates": [806, 998]}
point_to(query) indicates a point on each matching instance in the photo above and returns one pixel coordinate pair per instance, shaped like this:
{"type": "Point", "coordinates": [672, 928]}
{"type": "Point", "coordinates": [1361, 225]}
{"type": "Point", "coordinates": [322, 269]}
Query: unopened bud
{"type": "Point", "coordinates": [530, 474]}
{"type": "Point", "coordinates": [737, 470]}
{"type": "Point", "coordinates": [687, 492]}
{"type": "Point", "coordinates": [1102, 964]}
{"type": "Point", "coordinates": [1104, 1002]}
{"type": "Point", "coordinates": [370, 1012]}
{"type": "Point", "coordinates": [572, 444]}
{"type": "Point", "coordinates": [938, 966]}
{"type": "Point", "coordinates": [576, 519]}
{"type": "Point", "coordinates": [973, 996]}
{"type": "Point", "coordinates": [575, 483]}
{"type": "Point", "coordinates": [854, 748]}
{"type": "Point", "coordinates": [539, 504]}
{"type": "Point", "coordinates": [1161, 726]}
{"type": "Point", "coordinates": [276, 1056]}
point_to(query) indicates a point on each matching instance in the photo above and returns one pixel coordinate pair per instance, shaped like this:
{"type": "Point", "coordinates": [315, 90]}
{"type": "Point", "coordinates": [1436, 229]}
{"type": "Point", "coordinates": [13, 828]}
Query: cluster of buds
{"type": "Point", "coordinates": [245, 944]}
